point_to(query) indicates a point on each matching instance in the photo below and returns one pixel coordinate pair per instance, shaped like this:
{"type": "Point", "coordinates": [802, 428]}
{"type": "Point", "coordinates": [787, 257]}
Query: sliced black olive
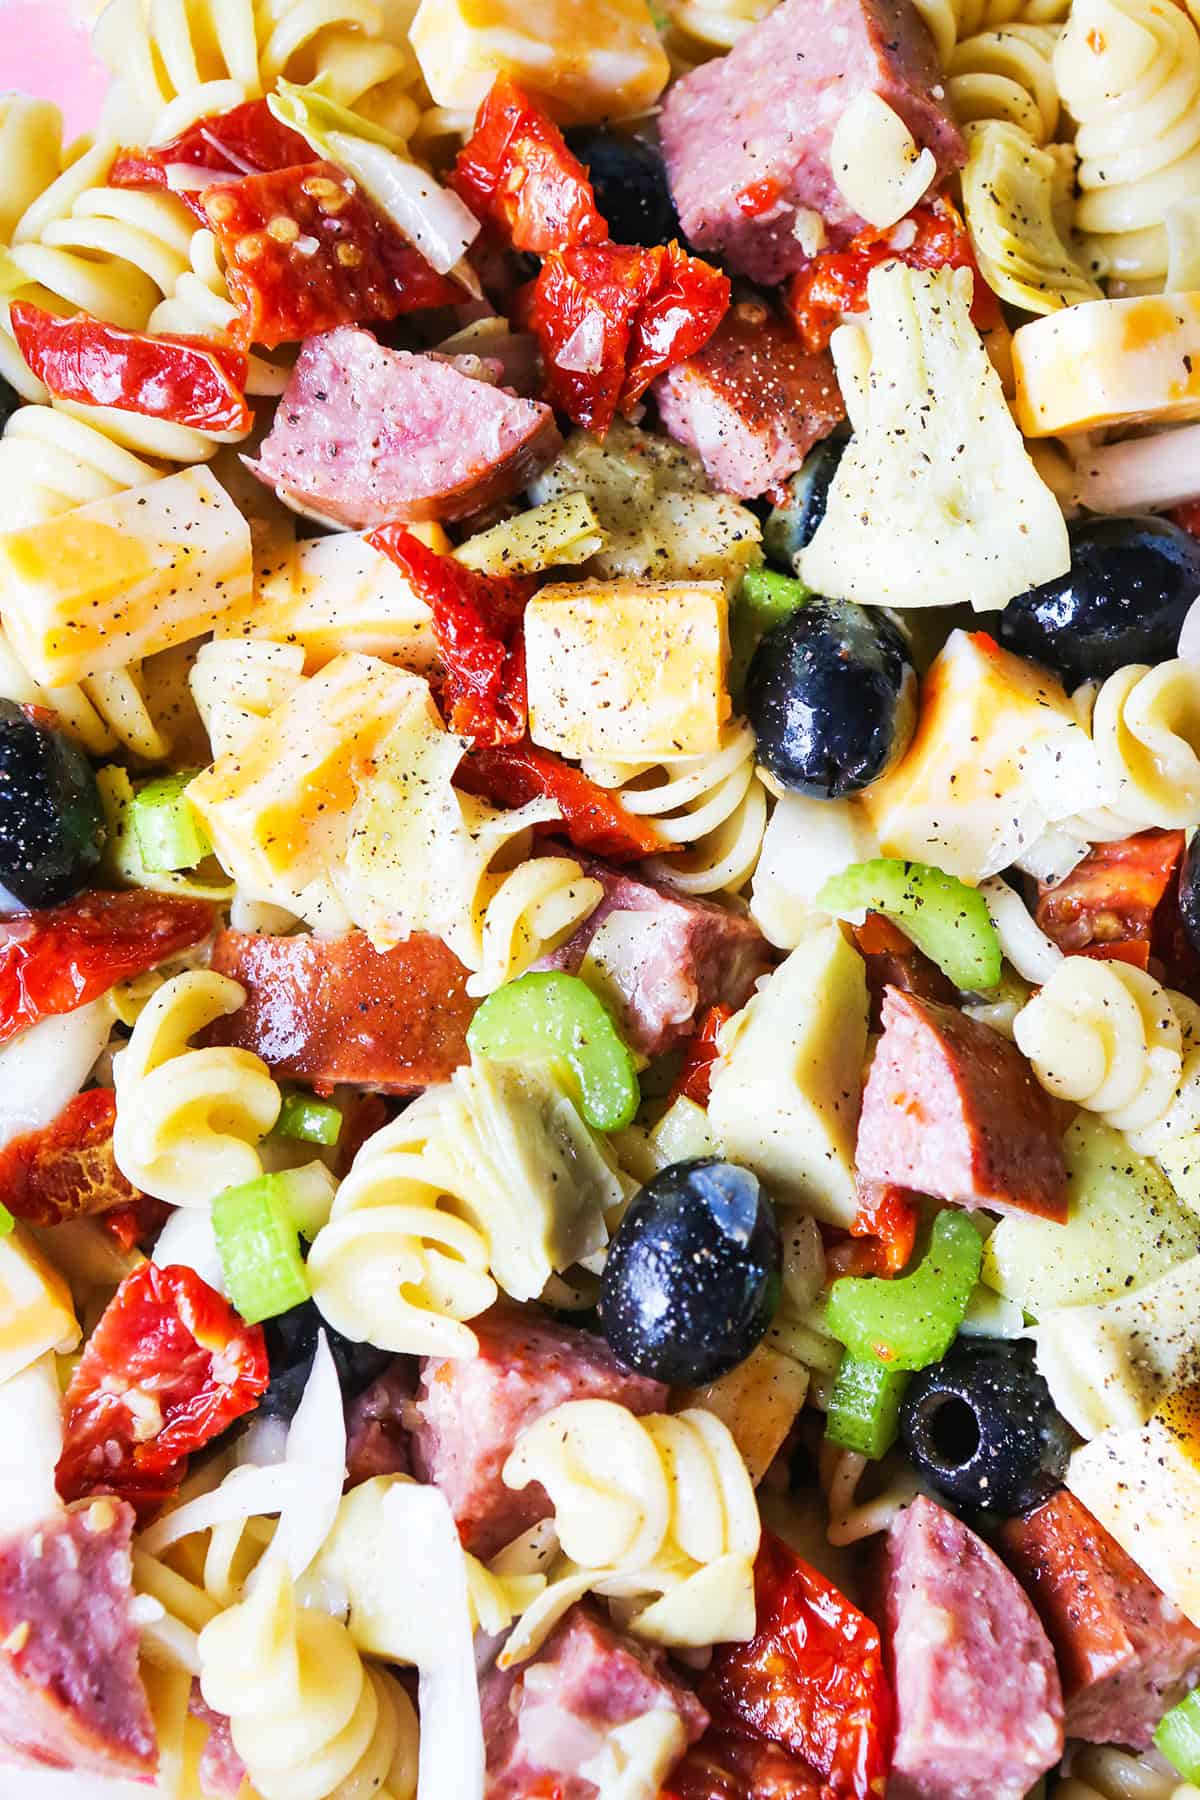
{"type": "Point", "coordinates": [1189, 893]}
{"type": "Point", "coordinates": [982, 1428]}
{"type": "Point", "coordinates": [51, 820]}
{"type": "Point", "coordinates": [10, 401]}
{"type": "Point", "coordinates": [1123, 600]}
{"type": "Point", "coordinates": [292, 1344]}
{"type": "Point", "coordinates": [629, 179]}
{"type": "Point", "coordinates": [693, 1273]}
{"type": "Point", "coordinates": [832, 696]}
{"type": "Point", "coordinates": [792, 525]}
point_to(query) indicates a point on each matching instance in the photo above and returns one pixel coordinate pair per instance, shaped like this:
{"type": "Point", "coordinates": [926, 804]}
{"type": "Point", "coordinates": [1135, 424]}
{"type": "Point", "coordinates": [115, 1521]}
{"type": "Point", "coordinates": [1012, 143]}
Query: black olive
{"type": "Point", "coordinates": [1123, 600]}
{"type": "Point", "coordinates": [832, 697]}
{"type": "Point", "coordinates": [292, 1344]}
{"type": "Point", "coordinates": [630, 183]}
{"type": "Point", "coordinates": [1189, 893]}
{"type": "Point", "coordinates": [51, 820]}
{"type": "Point", "coordinates": [982, 1428]}
{"type": "Point", "coordinates": [693, 1273]}
{"type": "Point", "coordinates": [793, 524]}
{"type": "Point", "coordinates": [10, 401]}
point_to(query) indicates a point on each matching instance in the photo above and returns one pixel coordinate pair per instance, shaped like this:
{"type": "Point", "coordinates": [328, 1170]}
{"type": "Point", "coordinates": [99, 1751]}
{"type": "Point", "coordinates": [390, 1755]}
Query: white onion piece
{"type": "Point", "coordinates": [1032, 954]}
{"type": "Point", "coordinates": [316, 1452]}
{"type": "Point", "coordinates": [431, 1571]}
{"type": "Point", "coordinates": [31, 1437]}
{"type": "Point", "coordinates": [1162, 470]}
{"type": "Point", "coordinates": [1189, 637]}
{"type": "Point", "coordinates": [45, 1066]}
{"type": "Point", "coordinates": [442, 226]}
{"type": "Point", "coordinates": [186, 1241]}
{"type": "Point", "coordinates": [245, 1493]}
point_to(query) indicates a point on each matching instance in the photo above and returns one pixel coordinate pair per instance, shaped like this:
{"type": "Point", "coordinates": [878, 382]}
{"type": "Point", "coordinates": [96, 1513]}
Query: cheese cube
{"type": "Point", "coordinates": [278, 808]}
{"type": "Point", "coordinates": [628, 670]}
{"type": "Point", "coordinates": [584, 60]}
{"type": "Point", "coordinates": [118, 579]}
{"type": "Point", "coordinates": [36, 1312]}
{"type": "Point", "coordinates": [997, 756]}
{"type": "Point", "coordinates": [1109, 362]}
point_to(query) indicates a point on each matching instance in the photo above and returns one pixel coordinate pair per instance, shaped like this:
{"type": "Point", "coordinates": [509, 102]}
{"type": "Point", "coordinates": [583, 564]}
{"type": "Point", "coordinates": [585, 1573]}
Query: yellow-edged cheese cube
{"type": "Point", "coordinates": [1109, 362]}
{"type": "Point", "coordinates": [36, 1313]}
{"type": "Point", "coordinates": [584, 60]}
{"type": "Point", "coordinates": [628, 670]}
{"type": "Point", "coordinates": [124, 577]}
{"type": "Point", "coordinates": [334, 594]}
{"type": "Point", "coordinates": [278, 807]}
{"type": "Point", "coordinates": [998, 755]}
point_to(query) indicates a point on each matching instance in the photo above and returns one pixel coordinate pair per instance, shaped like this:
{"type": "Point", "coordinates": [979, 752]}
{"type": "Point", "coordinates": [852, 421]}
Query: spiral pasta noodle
{"type": "Point", "coordinates": [1111, 1038]}
{"type": "Point", "coordinates": [699, 29]}
{"type": "Point", "coordinates": [1129, 73]}
{"type": "Point", "coordinates": [236, 682]}
{"type": "Point", "coordinates": [308, 1718]}
{"type": "Point", "coordinates": [520, 915]}
{"type": "Point", "coordinates": [189, 1121]}
{"type": "Point", "coordinates": [948, 21]}
{"type": "Point", "coordinates": [1145, 725]}
{"type": "Point", "coordinates": [199, 305]}
{"type": "Point", "coordinates": [1102, 1772]}
{"type": "Point", "coordinates": [712, 810]}
{"type": "Point", "coordinates": [852, 1518]}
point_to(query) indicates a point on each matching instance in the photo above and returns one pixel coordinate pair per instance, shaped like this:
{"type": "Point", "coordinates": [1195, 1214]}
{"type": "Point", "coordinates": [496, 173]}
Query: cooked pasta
{"type": "Point", "coordinates": [199, 305]}
{"type": "Point", "coordinates": [1006, 73]}
{"type": "Point", "coordinates": [1102, 1772]}
{"type": "Point", "coordinates": [949, 21]}
{"type": "Point", "coordinates": [851, 1517]}
{"type": "Point", "coordinates": [1145, 725]}
{"type": "Point", "coordinates": [1129, 73]}
{"type": "Point", "coordinates": [236, 682]}
{"type": "Point", "coordinates": [189, 1121]}
{"type": "Point", "coordinates": [698, 29]}
{"type": "Point", "coordinates": [518, 915]}
{"type": "Point", "coordinates": [310, 1720]}
{"type": "Point", "coordinates": [31, 155]}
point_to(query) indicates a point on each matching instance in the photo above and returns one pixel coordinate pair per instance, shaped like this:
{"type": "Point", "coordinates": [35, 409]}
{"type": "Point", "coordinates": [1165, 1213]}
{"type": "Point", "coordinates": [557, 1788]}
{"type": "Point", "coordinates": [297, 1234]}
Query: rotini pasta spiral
{"type": "Point", "coordinates": [1102, 1772]}
{"type": "Point", "coordinates": [948, 21]}
{"type": "Point", "coordinates": [711, 808]}
{"type": "Point", "coordinates": [521, 914]}
{"type": "Point", "coordinates": [309, 1719]}
{"type": "Point", "coordinates": [199, 305]}
{"type": "Point", "coordinates": [699, 29]}
{"type": "Point", "coordinates": [1112, 1039]}
{"type": "Point", "coordinates": [189, 1121]}
{"type": "Point", "coordinates": [1145, 725]}
{"type": "Point", "coordinates": [31, 155]}
{"type": "Point", "coordinates": [1007, 73]}
{"type": "Point", "coordinates": [853, 1518]}
{"type": "Point", "coordinates": [1129, 73]}
{"type": "Point", "coordinates": [236, 682]}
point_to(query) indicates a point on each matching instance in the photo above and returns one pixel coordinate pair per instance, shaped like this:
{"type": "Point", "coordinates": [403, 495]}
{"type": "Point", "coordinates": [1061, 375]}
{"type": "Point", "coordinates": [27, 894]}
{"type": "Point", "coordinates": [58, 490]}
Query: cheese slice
{"type": "Point", "coordinates": [124, 577]}
{"type": "Point", "coordinates": [1109, 362]}
{"type": "Point", "coordinates": [584, 60]}
{"type": "Point", "coordinates": [36, 1312]}
{"type": "Point", "coordinates": [628, 670]}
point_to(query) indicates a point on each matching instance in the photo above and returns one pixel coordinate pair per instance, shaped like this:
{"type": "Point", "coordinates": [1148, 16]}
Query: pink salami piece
{"type": "Point", "coordinates": [684, 955]}
{"type": "Point", "coordinates": [752, 403]}
{"type": "Point", "coordinates": [376, 1434]}
{"type": "Point", "coordinates": [747, 136]}
{"type": "Point", "coordinates": [221, 1770]}
{"type": "Point", "coordinates": [953, 1109]}
{"type": "Point", "coordinates": [547, 1721]}
{"type": "Point", "coordinates": [979, 1710]}
{"type": "Point", "coordinates": [1125, 1653]}
{"type": "Point", "coordinates": [364, 435]}
{"type": "Point", "coordinates": [70, 1693]}
{"type": "Point", "coordinates": [471, 1409]}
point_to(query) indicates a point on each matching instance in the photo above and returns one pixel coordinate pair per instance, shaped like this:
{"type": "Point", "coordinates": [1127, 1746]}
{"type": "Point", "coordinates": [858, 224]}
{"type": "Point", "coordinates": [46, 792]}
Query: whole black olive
{"type": "Point", "coordinates": [1123, 600]}
{"type": "Point", "coordinates": [51, 820]}
{"type": "Point", "coordinates": [832, 697]}
{"type": "Point", "coordinates": [982, 1428]}
{"type": "Point", "coordinates": [1189, 893]}
{"type": "Point", "coordinates": [630, 183]}
{"type": "Point", "coordinates": [693, 1273]}
{"type": "Point", "coordinates": [10, 401]}
{"type": "Point", "coordinates": [291, 1345]}
{"type": "Point", "coordinates": [792, 525]}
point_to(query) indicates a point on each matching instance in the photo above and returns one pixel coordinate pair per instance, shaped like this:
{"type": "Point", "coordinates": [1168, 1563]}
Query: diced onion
{"type": "Point", "coordinates": [1189, 637]}
{"type": "Point", "coordinates": [316, 1451]}
{"type": "Point", "coordinates": [31, 1437]}
{"type": "Point", "coordinates": [44, 1067]}
{"type": "Point", "coordinates": [186, 1241]}
{"type": "Point", "coordinates": [1156, 471]}
{"type": "Point", "coordinates": [1032, 954]}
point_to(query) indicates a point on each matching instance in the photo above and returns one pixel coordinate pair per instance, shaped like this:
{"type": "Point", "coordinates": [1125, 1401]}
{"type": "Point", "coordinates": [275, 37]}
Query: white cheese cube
{"type": "Point", "coordinates": [36, 1313]}
{"type": "Point", "coordinates": [1109, 362]}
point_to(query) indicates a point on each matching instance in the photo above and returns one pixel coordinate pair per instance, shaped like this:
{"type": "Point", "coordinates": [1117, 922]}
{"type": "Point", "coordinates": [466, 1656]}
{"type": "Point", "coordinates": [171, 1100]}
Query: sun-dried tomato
{"type": "Point", "coordinates": [187, 381]}
{"type": "Point", "coordinates": [168, 1367]}
{"type": "Point", "coordinates": [246, 140]}
{"type": "Point", "coordinates": [54, 961]}
{"type": "Point", "coordinates": [723, 1766]}
{"type": "Point", "coordinates": [885, 1226]}
{"type": "Point", "coordinates": [136, 1226]}
{"type": "Point", "coordinates": [305, 252]}
{"type": "Point", "coordinates": [477, 629]}
{"type": "Point", "coordinates": [610, 318]}
{"type": "Point", "coordinates": [592, 818]}
{"type": "Point", "coordinates": [835, 281]}
{"type": "Point", "coordinates": [67, 1169]}
{"type": "Point", "coordinates": [695, 1077]}
{"type": "Point", "coordinates": [516, 172]}
{"type": "Point", "coordinates": [1112, 896]}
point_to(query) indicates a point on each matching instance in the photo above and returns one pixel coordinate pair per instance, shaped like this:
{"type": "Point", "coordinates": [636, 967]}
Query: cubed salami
{"type": "Point", "coordinates": [376, 1432]}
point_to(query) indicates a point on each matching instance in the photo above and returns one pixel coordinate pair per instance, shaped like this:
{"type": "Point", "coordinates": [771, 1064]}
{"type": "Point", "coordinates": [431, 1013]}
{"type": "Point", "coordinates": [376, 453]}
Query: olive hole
{"type": "Point", "coordinates": [953, 1432]}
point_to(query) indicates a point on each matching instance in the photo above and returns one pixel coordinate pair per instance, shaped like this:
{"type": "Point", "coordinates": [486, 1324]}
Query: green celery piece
{"type": "Point", "coordinates": [7, 1222]}
{"type": "Point", "coordinates": [259, 1247]}
{"type": "Point", "coordinates": [910, 1322]}
{"type": "Point", "coordinates": [944, 917]}
{"type": "Point", "coordinates": [864, 1406]}
{"type": "Point", "coordinates": [763, 600]}
{"type": "Point", "coordinates": [310, 1121]}
{"type": "Point", "coordinates": [168, 833]}
{"type": "Point", "coordinates": [548, 1014]}
{"type": "Point", "coordinates": [1178, 1737]}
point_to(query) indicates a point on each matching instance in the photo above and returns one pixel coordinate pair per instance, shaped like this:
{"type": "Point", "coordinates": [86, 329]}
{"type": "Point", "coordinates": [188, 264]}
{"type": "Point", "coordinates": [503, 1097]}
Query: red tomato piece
{"type": "Point", "coordinates": [887, 1219]}
{"type": "Point", "coordinates": [168, 1367]}
{"type": "Point", "coordinates": [185, 380]}
{"type": "Point", "coordinates": [477, 629]}
{"type": "Point", "coordinates": [695, 1077]}
{"type": "Point", "coordinates": [610, 318]}
{"type": "Point", "coordinates": [1187, 516]}
{"type": "Point", "coordinates": [53, 961]}
{"type": "Point", "coordinates": [516, 172]}
{"type": "Point", "coordinates": [592, 818]}
{"type": "Point", "coordinates": [135, 1227]}
{"type": "Point", "coordinates": [305, 252]}
{"type": "Point", "coordinates": [723, 1766]}
{"type": "Point", "coordinates": [835, 281]}
{"type": "Point", "coordinates": [247, 139]}
{"type": "Point", "coordinates": [811, 1680]}
{"type": "Point", "coordinates": [1112, 896]}
{"type": "Point", "coordinates": [66, 1170]}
